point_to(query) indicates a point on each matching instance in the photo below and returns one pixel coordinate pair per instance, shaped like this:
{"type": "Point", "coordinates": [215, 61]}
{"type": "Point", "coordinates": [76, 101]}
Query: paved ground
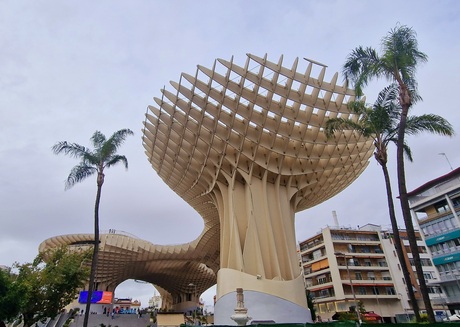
{"type": "Point", "coordinates": [125, 320]}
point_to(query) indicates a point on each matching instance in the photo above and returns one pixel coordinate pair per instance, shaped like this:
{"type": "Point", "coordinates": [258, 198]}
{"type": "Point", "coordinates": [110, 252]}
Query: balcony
{"type": "Point", "coordinates": [359, 252]}
{"type": "Point", "coordinates": [363, 266]}
{"type": "Point", "coordinates": [310, 245]}
{"type": "Point", "coordinates": [446, 300]}
{"type": "Point", "coordinates": [449, 278]}
{"type": "Point", "coordinates": [324, 281]}
{"type": "Point", "coordinates": [368, 282]}
{"type": "Point", "coordinates": [442, 252]}
{"type": "Point", "coordinates": [438, 215]}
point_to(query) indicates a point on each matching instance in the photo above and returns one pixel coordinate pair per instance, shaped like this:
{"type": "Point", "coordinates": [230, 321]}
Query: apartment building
{"type": "Point", "coordinates": [343, 266]}
{"type": "Point", "coordinates": [436, 207]}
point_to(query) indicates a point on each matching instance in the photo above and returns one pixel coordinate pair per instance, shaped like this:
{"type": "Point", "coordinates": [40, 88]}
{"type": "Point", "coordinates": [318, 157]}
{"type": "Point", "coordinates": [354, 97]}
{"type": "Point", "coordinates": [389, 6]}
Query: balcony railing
{"type": "Point", "coordinates": [446, 300]}
{"type": "Point", "coordinates": [440, 215]}
{"type": "Point", "coordinates": [304, 247]}
{"type": "Point", "coordinates": [449, 278]}
{"type": "Point", "coordinates": [441, 252]}
{"type": "Point", "coordinates": [361, 265]}
{"type": "Point", "coordinates": [368, 282]}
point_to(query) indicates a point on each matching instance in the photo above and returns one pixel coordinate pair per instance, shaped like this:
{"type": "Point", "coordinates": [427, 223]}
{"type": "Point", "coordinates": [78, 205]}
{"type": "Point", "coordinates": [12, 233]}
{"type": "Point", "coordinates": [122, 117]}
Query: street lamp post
{"type": "Point", "coordinates": [377, 298]}
{"type": "Point", "coordinates": [340, 254]}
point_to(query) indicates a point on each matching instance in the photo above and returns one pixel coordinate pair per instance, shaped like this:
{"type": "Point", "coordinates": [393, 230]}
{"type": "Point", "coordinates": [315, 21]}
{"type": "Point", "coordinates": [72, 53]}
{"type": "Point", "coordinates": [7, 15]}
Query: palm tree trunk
{"type": "Point", "coordinates": [405, 204]}
{"type": "Point", "coordinates": [95, 254]}
{"type": "Point", "coordinates": [398, 243]}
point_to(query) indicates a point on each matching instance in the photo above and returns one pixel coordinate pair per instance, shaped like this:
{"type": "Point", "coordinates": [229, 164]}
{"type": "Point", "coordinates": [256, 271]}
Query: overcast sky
{"type": "Point", "coordinates": [69, 68]}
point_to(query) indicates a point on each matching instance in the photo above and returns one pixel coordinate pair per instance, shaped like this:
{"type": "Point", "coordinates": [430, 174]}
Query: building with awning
{"type": "Point", "coordinates": [436, 207]}
{"type": "Point", "coordinates": [346, 267]}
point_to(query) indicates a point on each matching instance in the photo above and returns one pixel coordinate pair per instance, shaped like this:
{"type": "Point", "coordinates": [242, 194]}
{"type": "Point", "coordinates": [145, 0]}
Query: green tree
{"type": "Point", "coordinates": [397, 63]}
{"type": "Point", "coordinates": [11, 297]}
{"type": "Point", "coordinates": [104, 155]}
{"type": "Point", "coordinates": [46, 285]}
{"type": "Point", "coordinates": [381, 123]}
{"type": "Point", "coordinates": [311, 305]}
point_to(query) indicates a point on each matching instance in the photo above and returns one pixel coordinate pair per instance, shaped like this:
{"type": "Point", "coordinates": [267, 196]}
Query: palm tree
{"type": "Point", "coordinates": [397, 63]}
{"type": "Point", "coordinates": [381, 123]}
{"type": "Point", "coordinates": [104, 155]}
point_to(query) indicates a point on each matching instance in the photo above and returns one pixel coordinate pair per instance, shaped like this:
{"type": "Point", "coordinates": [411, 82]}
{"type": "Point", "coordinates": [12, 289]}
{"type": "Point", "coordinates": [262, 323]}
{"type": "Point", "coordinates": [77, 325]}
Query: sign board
{"type": "Point", "coordinates": [96, 297]}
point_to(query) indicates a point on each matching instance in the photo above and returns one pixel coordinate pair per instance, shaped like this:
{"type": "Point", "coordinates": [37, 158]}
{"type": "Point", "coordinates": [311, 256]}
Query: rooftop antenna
{"type": "Point", "coordinates": [445, 155]}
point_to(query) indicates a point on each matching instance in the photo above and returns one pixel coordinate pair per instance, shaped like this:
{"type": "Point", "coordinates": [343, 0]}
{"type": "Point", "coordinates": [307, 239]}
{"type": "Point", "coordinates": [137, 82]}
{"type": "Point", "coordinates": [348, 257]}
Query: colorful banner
{"type": "Point", "coordinates": [96, 297]}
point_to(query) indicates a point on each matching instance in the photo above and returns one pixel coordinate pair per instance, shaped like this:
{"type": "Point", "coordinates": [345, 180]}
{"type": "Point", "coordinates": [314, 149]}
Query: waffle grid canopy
{"type": "Point", "coordinates": [263, 121]}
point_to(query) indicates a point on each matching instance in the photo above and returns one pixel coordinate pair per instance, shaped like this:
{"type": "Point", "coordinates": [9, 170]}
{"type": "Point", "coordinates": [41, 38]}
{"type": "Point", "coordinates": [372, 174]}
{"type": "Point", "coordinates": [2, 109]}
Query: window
{"type": "Point", "coordinates": [429, 228]}
{"type": "Point", "coordinates": [361, 290]}
{"type": "Point", "coordinates": [432, 290]}
{"type": "Point", "coordinates": [441, 207]}
{"type": "Point", "coordinates": [426, 262]}
{"type": "Point", "coordinates": [322, 280]}
{"type": "Point", "coordinates": [358, 276]}
{"type": "Point", "coordinates": [390, 291]}
{"type": "Point", "coordinates": [378, 250]}
{"type": "Point", "coordinates": [317, 254]}
{"type": "Point", "coordinates": [375, 290]}
{"type": "Point", "coordinates": [456, 202]}
{"type": "Point", "coordinates": [427, 275]}
{"type": "Point", "coordinates": [324, 293]}
{"type": "Point", "coordinates": [425, 231]}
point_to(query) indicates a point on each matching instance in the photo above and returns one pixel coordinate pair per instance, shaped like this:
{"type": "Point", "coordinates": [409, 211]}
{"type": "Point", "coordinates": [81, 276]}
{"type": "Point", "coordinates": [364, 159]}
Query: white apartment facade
{"type": "Point", "coordinates": [436, 207]}
{"type": "Point", "coordinates": [343, 266]}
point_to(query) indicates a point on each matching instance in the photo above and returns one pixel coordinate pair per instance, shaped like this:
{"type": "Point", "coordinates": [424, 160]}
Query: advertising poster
{"type": "Point", "coordinates": [97, 297]}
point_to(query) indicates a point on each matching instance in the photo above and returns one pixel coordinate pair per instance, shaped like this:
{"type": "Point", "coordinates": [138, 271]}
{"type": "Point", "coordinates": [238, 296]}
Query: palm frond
{"type": "Point", "coordinates": [339, 124]}
{"type": "Point", "coordinates": [406, 149]}
{"type": "Point", "coordinates": [103, 155]}
{"type": "Point", "coordinates": [91, 158]}
{"type": "Point", "coordinates": [115, 160]}
{"type": "Point", "coordinates": [98, 139]}
{"type": "Point", "coordinates": [388, 96]}
{"type": "Point", "coordinates": [428, 123]}
{"type": "Point", "coordinates": [401, 55]}
{"type": "Point", "coordinates": [357, 107]}
{"type": "Point", "coordinates": [73, 149]}
{"type": "Point", "coordinates": [360, 66]}
{"type": "Point", "coordinates": [78, 174]}
{"type": "Point", "coordinates": [407, 152]}
{"type": "Point", "coordinates": [113, 143]}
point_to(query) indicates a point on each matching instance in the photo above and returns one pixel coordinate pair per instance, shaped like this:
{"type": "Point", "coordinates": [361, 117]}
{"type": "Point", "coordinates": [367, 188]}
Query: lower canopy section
{"type": "Point", "coordinates": [266, 300]}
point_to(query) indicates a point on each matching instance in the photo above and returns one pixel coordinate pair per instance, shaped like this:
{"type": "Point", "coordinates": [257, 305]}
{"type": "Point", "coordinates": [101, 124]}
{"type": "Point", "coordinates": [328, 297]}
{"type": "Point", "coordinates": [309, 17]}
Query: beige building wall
{"type": "Point", "coordinates": [327, 278]}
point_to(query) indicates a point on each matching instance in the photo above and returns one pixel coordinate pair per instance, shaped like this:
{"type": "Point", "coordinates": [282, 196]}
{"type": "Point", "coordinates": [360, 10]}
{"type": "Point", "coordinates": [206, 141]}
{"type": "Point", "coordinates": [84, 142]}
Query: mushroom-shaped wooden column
{"type": "Point", "coordinates": [245, 147]}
